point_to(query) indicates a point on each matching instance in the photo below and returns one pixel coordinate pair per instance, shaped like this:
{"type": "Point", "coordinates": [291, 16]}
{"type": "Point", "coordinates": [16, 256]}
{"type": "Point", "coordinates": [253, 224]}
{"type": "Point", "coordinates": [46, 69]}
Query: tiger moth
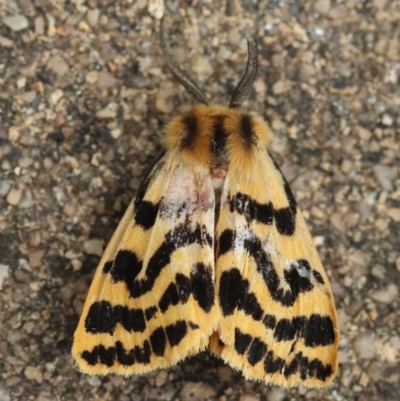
{"type": "Point", "coordinates": [213, 252]}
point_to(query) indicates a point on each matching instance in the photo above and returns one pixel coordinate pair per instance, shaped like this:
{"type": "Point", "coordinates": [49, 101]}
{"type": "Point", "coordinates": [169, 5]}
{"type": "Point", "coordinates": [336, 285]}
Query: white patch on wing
{"type": "Point", "coordinates": [185, 193]}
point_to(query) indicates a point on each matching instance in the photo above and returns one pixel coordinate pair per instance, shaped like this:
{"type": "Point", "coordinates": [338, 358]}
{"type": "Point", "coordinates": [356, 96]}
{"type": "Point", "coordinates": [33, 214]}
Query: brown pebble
{"type": "Point", "coordinates": [35, 258]}
{"type": "Point", "coordinates": [14, 196]}
{"type": "Point", "coordinates": [106, 80]}
{"type": "Point", "coordinates": [322, 6]}
{"type": "Point", "coordinates": [196, 391]}
{"type": "Point", "coordinates": [249, 397]}
{"type": "Point", "coordinates": [161, 378]}
{"type": "Point", "coordinates": [58, 65]}
{"type": "Point", "coordinates": [386, 295]}
{"type": "Point", "coordinates": [224, 373]}
{"type": "Point", "coordinates": [70, 209]}
{"type": "Point", "coordinates": [34, 373]}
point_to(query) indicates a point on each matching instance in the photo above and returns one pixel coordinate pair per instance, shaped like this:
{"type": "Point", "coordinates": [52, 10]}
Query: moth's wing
{"type": "Point", "coordinates": [278, 319]}
{"type": "Point", "coordinates": [152, 299]}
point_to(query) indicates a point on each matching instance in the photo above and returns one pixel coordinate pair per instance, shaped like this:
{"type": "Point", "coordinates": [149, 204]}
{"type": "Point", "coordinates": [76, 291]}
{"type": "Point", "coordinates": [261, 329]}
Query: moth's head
{"type": "Point", "coordinates": [210, 130]}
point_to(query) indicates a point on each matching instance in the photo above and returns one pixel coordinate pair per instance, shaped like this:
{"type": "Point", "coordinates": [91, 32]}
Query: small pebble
{"type": "Point", "coordinates": [364, 346]}
{"type": "Point", "coordinates": [26, 199]}
{"type": "Point", "coordinates": [34, 373]}
{"type": "Point", "coordinates": [106, 113]}
{"type": "Point", "coordinates": [4, 273]}
{"type": "Point", "coordinates": [224, 373]}
{"type": "Point", "coordinates": [5, 42]}
{"type": "Point", "coordinates": [94, 381]}
{"type": "Point", "coordinates": [386, 295]}
{"type": "Point", "coordinates": [394, 213]}
{"type": "Point", "coordinates": [172, 5]}
{"type": "Point", "coordinates": [25, 162]}
{"type": "Point", "coordinates": [5, 394]}
{"type": "Point", "coordinates": [92, 77]}
{"type": "Point", "coordinates": [35, 258]}
{"type": "Point", "coordinates": [276, 394]}
{"type": "Point", "coordinates": [249, 397]}
{"type": "Point", "coordinates": [14, 196]}
{"type": "Point", "coordinates": [23, 264]}
{"type": "Point", "coordinates": [379, 4]}
{"type": "Point", "coordinates": [387, 120]}
{"type": "Point", "coordinates": [44, 396]}
{"type": "Point", "coordinates": [161, 378]}
{"type": "Point", "coordinates": [93, 17]}
{"type": "Point", "coordinates": [385, 176]}
{"type": "Point", "coordinates": [58, 65]}
{"type": "Point", "coordinates": [106, 80]}
{"type": "Point", "coordinates": [16, 22]}
{"type": "Point", "coordinates": [93, 247]}
{"type": "Point", "coordinates": [322, 6]}
{"type": "Point", "coordinates": [281, 87]}
{"type": "Point", "coordinates": [156, 8]}
{"type": "Point", "coordinates": [116, 133]}
{"type": "Point", "coordinates": [76, 265]}
{"type": "Point", "coordinates": [196, 391]}
{"type": "Point", "coordinates": [4, 188]}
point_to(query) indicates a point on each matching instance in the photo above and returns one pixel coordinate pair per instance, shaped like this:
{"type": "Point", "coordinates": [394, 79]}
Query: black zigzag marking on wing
{"type": "Point", "coordinates": [251, 209]}
{"type": "Point", "coordinates": [269, 321]}
{"type": "Point", "coordinates": [242, 341]}
{"type": "Point", "coordinates": [176, 332]}
{"type": "Point", "coordinates": [296, 278]}
{"type": "Point", "coordinates": [255, 350]}
{"type": "Point", "coordinates": [316, 330]}
{"type": "Point", "coordinates": [150, 312]}
{"type": "Point", "coordinates": [108, 356]}
{"type": "Point", "coordinates": [126, 265]}
{"type": "Point", "coordinates": [234, 293]}
{"type": "Point", "coordinates": [265, 213]}
{"type": "Point", "coordinates": [314, 368]}
{"type": "Point", "coordinates": [177, 292]}
{"type": "Point", "coordinates": [200, 284]}
{"type": "Point", "coordinates": [103, 317]}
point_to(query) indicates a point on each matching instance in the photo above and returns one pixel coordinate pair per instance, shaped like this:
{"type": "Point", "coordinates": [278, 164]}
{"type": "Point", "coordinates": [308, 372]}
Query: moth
{"type": "Point", "coordinates": [213, 252]}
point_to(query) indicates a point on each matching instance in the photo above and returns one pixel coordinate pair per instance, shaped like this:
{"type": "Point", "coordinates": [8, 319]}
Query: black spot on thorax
{"type": "Point", "coordinates": [191, 132]}
{"type": "Point", "coordinates": [246, 131]}
{"type": "Point", "coordinates": [218, 143]}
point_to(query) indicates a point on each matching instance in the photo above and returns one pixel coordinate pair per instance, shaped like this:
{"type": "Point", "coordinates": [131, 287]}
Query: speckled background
{"type": "Point", "coordinates": [84, 97]}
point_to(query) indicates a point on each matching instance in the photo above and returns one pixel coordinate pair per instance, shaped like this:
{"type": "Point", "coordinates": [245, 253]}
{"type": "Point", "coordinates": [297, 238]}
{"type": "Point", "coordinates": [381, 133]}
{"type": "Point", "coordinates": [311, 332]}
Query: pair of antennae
{"type": "Point", "coordinates": [241, 92]}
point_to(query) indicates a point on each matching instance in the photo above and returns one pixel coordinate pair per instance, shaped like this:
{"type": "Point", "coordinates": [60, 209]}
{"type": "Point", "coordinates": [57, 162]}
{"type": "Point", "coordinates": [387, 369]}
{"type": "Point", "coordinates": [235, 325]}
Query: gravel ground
{"type": "Point", "coordinates": [84, 97]}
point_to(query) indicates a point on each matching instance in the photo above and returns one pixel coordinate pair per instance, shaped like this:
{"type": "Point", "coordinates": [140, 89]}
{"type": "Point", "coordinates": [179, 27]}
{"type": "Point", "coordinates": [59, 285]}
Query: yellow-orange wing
{"type": "Point", "coordinates": [278, 321]}
{"type": "Point", "coordinates": [152, 299]}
